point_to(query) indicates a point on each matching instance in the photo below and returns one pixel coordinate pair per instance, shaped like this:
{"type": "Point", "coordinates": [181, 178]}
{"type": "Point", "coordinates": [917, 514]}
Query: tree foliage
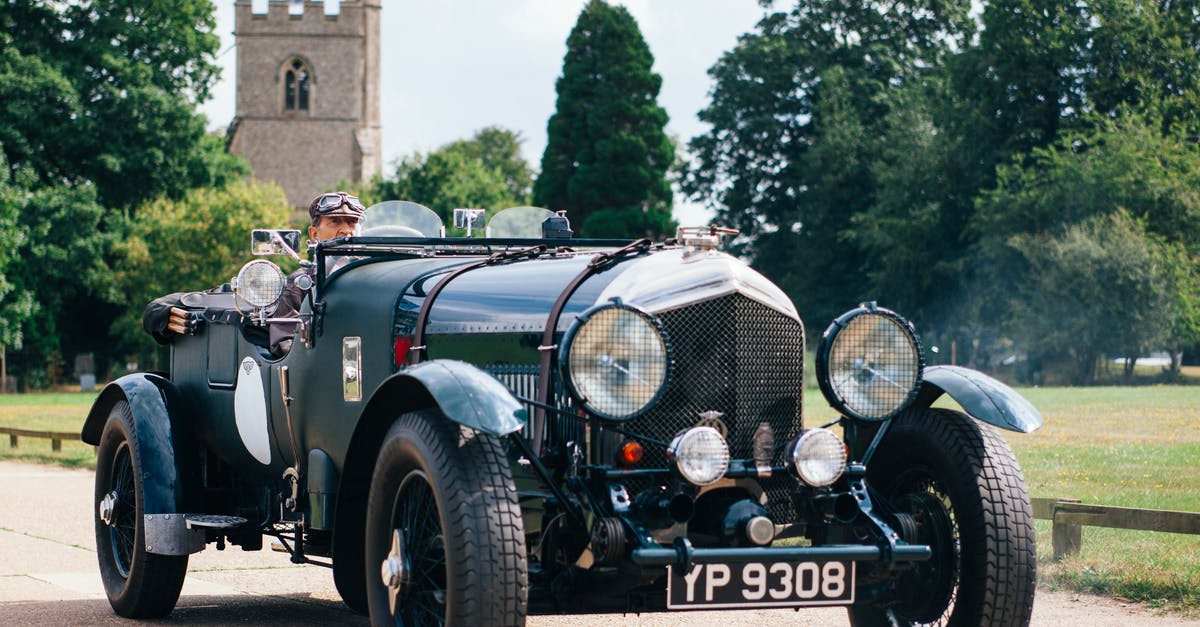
{"type": "Point", "coordinates": [1121, 168]}
{"type": "Point", "coordinates": [105, 92]}
{"type": "Point", "coordinates": [486, 171]}
{"type": "Point", "coordinates": [1095, 289]}
{"type": "Point", "coordinates": [56, 275]}
{"type": "Point", "coordinates": [796, 108]}
{"type": "Point", "coordinates": [606, 148]}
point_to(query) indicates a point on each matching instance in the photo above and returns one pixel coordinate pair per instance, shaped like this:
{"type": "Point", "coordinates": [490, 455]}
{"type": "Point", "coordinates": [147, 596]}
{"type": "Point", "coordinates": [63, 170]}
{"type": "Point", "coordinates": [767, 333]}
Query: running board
{"type": "Point", "coordinates": [183, 534]}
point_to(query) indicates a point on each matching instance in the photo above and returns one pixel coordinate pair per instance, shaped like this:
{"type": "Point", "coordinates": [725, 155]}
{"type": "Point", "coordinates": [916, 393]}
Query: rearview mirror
{"type": "Point", "coordinates": [469, 219]}
{"type": "Point", "coordinates": [274, 242]}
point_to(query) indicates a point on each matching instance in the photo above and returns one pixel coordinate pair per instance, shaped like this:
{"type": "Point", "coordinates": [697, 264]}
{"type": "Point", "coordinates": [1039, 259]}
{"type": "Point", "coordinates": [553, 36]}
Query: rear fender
{"type": "Point", "coordinates": [981, 396]}
{"type": "Point", "coordinates": [170, 482]}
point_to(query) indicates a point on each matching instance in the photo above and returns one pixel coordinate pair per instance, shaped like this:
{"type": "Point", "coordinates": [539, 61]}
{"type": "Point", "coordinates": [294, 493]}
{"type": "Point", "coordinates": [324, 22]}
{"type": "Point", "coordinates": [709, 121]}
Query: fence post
{"type": "Point", "coordinates": [1068, 536]}
{"type": "Point", "coordinates": [56, 445]}
{"type": "Point", "coordinates": [12, 440]}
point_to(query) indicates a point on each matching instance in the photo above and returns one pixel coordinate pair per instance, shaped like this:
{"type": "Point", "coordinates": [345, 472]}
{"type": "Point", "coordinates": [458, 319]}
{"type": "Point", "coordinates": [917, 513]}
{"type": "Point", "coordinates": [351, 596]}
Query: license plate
{"type": "Point", "coordinates": [761, 584]}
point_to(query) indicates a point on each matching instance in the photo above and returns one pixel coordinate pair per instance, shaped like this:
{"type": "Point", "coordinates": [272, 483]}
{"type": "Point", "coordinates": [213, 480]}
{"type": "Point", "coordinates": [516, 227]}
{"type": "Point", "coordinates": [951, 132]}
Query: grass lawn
{"type": "Point", "coordinates": [60, 411]}
{"type": "Point", "coordinates": [1132, 447]}
{"type": "Point", "coordinates": [1126, 446]}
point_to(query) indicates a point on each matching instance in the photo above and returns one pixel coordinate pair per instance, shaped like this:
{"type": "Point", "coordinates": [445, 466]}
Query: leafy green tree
{"type": "Point", "coordinates": [500, 149]}
{"type": "Point", "coordinates": [908, 236]}
{"type": "Point", "coordinates": [194, 243]}
{"type": "Point", "coordinates": [1124, 167]}
{"type": "Point", "coordinates": [1114, 164]}
{"type": "Point", "coordinates": [16, 305]}
{"type": "Point", "coordinates": [1144, 55]}
{"type": "Point", "coordinates": [1092, 290]}
{"type": "Point", "coordinates": [606, 148]}
{"type": "Point", "coordinates": [795, 109]}
{"type": "Point", "coordinates": [105, 92]}
{"type": "Point", "coordinates": [58, 277]}
{"type": "Point", "coordinates": [486, 171]}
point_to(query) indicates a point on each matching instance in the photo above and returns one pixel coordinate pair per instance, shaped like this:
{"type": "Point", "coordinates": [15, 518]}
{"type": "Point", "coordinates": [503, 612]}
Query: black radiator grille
{"type": "Point", "coordinates": [738, 357]}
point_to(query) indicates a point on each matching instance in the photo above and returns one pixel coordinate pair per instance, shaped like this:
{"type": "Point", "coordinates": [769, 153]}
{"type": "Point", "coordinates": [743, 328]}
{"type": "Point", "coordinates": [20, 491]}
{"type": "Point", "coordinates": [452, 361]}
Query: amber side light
{"type": "Point", "coordinates": [630, 453]}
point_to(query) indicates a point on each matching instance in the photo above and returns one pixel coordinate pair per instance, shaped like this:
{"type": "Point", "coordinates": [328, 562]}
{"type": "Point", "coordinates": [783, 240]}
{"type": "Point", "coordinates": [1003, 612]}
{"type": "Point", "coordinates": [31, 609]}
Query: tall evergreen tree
{"type": "Point", "coordinates": [607, 155]}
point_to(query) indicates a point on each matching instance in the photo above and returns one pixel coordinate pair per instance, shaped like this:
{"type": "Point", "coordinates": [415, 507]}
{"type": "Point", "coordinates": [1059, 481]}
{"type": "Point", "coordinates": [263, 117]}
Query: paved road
{"type": "Point", "coordinates": [49, 576]}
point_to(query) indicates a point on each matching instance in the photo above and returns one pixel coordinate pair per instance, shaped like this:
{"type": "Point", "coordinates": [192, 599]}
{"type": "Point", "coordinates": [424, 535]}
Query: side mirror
{"type": "Point", "coordinates": [275, 242]}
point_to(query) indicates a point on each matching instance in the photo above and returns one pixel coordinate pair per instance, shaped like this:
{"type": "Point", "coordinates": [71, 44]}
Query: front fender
{"type": "Point", "coordinates": [981, 396]}
{"type": "Point", "coordinates": [467, 395]}
{"type": "Point", "coordinates": [158, 411]}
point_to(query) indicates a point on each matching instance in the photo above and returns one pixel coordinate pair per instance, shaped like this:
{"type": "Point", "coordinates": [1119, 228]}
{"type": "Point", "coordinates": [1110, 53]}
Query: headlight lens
{"type": "Point", "coordinates": [869, 363]}
{"type": "Point", "coordinates": [259, 283]}
{"type": "Point", "coordinates": [819, 457]}
{"type": "Point", "coordinates": [615, 361]}
{"type": "Point", "coordinates": [700, 454]}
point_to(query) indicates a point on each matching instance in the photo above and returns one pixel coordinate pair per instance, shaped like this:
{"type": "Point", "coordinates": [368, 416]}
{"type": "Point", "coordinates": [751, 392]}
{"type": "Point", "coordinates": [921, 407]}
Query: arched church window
{"type": "Point", "coordinates": [295, 86]}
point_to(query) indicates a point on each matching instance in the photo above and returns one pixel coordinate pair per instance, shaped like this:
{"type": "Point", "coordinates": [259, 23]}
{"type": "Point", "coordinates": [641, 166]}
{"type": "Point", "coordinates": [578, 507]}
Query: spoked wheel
{"type": "Point", "coordinates": [957, 487]}
{"type": "Point", "coordinates": [138, 584]}
{"type": "Point", "coordinates": [445, 544]}
{"type": "Point", "coordinates": [415, 567]}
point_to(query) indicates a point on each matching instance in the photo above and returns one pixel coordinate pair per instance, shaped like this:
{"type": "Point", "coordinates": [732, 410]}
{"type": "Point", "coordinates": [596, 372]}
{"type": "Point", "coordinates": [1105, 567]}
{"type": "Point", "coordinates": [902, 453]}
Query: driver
{"type": "Point", "coordinates": [336, 214]}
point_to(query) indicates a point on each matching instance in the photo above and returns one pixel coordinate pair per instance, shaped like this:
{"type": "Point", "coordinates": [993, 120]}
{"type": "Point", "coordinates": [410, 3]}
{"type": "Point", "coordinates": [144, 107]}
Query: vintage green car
{"type": "Point", "coordinates": [471, 430]}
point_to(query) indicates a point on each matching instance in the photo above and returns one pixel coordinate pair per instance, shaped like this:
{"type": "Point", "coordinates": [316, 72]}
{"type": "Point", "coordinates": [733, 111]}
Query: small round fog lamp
{"type": "Point", "coordinates": [819, 457]}
{"type": "Point", "coordinates": [259, 283]}
{"type": "Point", "coordinates": [700, 454]}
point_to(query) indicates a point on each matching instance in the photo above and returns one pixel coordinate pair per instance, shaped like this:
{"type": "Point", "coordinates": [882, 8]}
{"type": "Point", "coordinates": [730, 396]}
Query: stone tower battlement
{"type": "Point", "coordinates": [308, 93]}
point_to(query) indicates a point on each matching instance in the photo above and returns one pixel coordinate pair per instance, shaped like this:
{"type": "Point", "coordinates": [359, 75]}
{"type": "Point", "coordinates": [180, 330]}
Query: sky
{"type": "Point", "coordinates": [452, 67]}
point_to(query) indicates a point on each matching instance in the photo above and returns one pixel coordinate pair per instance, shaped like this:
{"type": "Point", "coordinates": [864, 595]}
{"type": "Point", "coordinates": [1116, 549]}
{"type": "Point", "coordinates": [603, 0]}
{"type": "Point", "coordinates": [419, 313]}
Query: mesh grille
{"type": "Point", "coordinates": [522, 380]}
{"type": "Point", "coordinates": [738, 357]}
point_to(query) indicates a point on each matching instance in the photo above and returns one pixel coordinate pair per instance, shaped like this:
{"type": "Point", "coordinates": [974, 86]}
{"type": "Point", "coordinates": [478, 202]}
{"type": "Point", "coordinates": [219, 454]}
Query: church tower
{"type": "Point", "coordinates": [307, 93]}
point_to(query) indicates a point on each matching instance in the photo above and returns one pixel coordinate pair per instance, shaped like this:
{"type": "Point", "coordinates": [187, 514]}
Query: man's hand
{"type": "Point", "coordinates": [185, 322]}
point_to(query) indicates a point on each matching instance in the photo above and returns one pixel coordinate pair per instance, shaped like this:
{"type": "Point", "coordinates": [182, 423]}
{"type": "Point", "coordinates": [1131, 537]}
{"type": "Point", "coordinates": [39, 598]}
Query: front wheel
{"type": "Point", "coordinates": [445, 543]}
{"type": "Point", "coordinates": [959, 488]}
{"type": "Point", "coordinates": [138, 584]}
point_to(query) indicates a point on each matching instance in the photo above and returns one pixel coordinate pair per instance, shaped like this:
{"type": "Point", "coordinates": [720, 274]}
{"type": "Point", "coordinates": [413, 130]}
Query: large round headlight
{"type": "Point", "coordinates": [259, 283]}
{"type": "Point", "coordinates": [869, 363]}
{"type": "Point", "coordinates": [700, 454]}
{"type": "Point", "coordinates": [615, 361]}
{"type": "Point", "coordinates": [819, 457]}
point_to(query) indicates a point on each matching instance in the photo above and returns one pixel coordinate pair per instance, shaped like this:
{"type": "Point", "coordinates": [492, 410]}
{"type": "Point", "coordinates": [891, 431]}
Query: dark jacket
{"type": "Point", "coordinates": [282, 333]}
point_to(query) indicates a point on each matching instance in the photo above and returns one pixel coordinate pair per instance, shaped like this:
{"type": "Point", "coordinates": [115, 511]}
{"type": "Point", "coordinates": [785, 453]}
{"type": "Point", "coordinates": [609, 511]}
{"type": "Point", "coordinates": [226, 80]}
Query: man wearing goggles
{"type": "Point", "coordinates": [336, 214]}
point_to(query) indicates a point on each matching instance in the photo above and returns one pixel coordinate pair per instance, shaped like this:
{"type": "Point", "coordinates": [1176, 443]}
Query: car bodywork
{"type": "Point", "coordinates": [235, 444]}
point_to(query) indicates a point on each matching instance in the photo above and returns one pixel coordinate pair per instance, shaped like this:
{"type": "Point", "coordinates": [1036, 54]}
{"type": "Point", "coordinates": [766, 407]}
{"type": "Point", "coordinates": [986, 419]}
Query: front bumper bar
{"type": "Point", "coordinates": [682, 554]}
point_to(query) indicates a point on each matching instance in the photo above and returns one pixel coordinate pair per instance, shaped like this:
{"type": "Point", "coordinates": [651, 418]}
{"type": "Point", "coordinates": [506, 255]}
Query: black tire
{"type": "Point", "coordinates": [961, 484]}
{"type": "Point", "coordinates": [138, 584]}
{"type": "Point", "coordinates": [449, 491]}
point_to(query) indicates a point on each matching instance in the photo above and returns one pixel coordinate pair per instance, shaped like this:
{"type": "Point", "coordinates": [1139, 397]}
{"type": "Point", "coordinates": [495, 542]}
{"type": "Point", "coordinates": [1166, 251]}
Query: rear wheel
{"type": "Point", "coordinates": [445, 543]}
{"type": "Point", "coordinates": [958, 487]}
{"type": "Point", "coordinates": [138, 584]}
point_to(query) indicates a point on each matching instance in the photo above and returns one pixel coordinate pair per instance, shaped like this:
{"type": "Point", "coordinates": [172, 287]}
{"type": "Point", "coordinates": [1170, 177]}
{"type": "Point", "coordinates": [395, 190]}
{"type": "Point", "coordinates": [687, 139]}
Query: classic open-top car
{"type": "Point", "coordinates": [470, 430]}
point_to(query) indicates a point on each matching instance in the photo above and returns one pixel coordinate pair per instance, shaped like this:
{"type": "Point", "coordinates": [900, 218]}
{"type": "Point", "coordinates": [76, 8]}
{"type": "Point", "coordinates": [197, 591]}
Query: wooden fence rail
{"type": "Point", "coordinates": [56, 437]}
{"type": "Point", "coordinates": [1069, 516]}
